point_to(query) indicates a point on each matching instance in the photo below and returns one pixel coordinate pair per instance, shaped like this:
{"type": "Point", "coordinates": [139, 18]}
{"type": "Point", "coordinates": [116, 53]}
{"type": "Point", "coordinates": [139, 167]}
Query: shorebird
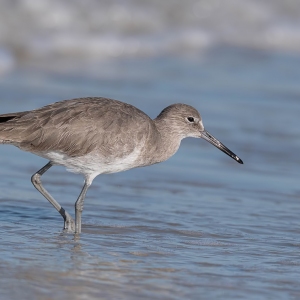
{"type": "Point", "coordinates": [94, 135]}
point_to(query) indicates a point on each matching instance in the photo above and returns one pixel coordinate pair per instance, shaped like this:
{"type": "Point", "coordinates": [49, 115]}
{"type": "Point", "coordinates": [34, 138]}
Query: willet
{"type": "Point", "coordinates": [92, 136]}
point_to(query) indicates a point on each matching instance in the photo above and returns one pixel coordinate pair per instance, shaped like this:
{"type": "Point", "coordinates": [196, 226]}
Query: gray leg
{"type": "Point", "coordinates": [36, 181]}
{"type": "Point", "coordinates": [79, 206]}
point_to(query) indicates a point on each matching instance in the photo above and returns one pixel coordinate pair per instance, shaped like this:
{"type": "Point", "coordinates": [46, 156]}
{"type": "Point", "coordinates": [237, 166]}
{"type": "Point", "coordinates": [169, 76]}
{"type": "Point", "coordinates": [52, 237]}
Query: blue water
{"type": "Point", "coordinates": [199, 226]}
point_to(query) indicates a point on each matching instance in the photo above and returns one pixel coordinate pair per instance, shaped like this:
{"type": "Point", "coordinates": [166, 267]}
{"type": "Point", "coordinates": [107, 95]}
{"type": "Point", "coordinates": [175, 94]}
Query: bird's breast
{"type": "Point", "coordinates": [95, 162]}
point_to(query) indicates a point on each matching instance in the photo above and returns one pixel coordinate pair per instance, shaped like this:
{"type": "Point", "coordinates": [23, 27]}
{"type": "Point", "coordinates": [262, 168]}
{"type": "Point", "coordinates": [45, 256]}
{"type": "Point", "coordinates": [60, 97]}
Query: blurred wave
{"type": "Point", "coordinates": [95, 30]}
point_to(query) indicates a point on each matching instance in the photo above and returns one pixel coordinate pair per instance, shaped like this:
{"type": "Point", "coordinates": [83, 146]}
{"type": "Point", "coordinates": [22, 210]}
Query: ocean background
{"type": "Point", "coordinates": [198, 226]}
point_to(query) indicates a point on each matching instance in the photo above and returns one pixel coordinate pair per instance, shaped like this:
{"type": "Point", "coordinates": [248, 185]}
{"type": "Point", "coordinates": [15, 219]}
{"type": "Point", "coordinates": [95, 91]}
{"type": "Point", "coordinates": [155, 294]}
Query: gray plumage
{"type": "Point", "coordinates": [99, 135]}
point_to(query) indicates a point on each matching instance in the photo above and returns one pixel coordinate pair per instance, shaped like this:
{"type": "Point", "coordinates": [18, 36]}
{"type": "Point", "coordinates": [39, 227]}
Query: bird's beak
{"type": "Point", "coordinates": [211, 139]}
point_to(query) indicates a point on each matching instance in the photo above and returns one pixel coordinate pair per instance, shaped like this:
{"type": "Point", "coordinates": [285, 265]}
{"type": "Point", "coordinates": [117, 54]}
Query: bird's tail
{"type": "Point", "coordinates": [8, 127]}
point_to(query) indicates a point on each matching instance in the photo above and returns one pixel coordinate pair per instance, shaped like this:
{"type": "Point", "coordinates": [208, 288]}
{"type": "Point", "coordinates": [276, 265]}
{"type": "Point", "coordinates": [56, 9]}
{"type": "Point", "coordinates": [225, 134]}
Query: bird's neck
{"type": "Point", "coordinates": [168, 139]}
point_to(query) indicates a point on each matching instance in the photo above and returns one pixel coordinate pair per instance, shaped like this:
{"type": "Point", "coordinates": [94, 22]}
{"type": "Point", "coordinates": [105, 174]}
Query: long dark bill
{"type": "Point", "coordinates": [211, 139]}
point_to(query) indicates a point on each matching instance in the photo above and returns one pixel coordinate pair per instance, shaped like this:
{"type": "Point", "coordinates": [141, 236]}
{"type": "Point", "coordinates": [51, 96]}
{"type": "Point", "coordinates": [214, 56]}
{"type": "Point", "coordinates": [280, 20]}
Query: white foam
{"type": "Point", "coordinates": [102, 30]}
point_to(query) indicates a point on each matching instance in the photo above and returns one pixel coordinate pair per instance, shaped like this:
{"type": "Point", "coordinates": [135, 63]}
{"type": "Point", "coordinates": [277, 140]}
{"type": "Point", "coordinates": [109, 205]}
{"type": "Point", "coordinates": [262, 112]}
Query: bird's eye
{"type": "Point", "coordinates": [191, 119]}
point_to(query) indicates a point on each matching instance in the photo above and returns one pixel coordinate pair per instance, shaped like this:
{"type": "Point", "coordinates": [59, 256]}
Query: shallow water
{"type": "Point", "coordinates": [197, 226]}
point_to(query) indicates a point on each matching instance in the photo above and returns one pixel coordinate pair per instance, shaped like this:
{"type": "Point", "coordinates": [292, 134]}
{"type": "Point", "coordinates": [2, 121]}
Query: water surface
{"type": "Point", "coordinates": [197, 226]}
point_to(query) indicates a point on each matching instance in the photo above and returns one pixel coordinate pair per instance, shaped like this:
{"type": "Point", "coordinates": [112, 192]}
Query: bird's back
{"type": "Point", "coordinates": [78, 127]}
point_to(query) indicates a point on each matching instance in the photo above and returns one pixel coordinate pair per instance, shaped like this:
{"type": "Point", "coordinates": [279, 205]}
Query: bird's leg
{"type": "Point", "coordinates": [79, 206]}
{"type": "Point", "coordinates": [69, 224]}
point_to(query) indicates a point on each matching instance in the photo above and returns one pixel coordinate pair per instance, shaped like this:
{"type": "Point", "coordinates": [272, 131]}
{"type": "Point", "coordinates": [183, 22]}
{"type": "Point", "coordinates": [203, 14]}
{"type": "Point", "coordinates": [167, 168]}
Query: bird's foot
{"type": "Point", "coordinates": [69, 224]}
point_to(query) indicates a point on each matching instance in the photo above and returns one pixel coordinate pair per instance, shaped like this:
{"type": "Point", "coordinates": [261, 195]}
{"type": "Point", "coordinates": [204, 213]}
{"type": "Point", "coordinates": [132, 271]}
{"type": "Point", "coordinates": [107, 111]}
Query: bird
{"type": "Point", "coordinates": [97, 135]}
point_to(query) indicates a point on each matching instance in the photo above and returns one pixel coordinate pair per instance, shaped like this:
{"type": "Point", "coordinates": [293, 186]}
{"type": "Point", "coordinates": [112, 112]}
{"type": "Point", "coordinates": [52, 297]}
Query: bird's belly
{"type": "Point", "coordinates": [94, 163]}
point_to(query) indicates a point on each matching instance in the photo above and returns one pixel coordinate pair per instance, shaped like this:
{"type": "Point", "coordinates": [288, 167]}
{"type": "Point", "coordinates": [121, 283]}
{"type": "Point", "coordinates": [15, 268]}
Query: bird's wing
{"type": "Point", "coordinates": [77, 127]}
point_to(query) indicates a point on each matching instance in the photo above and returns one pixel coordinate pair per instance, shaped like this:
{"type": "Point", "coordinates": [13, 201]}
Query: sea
{"type": "Point", "coordinates": [198, 226]}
